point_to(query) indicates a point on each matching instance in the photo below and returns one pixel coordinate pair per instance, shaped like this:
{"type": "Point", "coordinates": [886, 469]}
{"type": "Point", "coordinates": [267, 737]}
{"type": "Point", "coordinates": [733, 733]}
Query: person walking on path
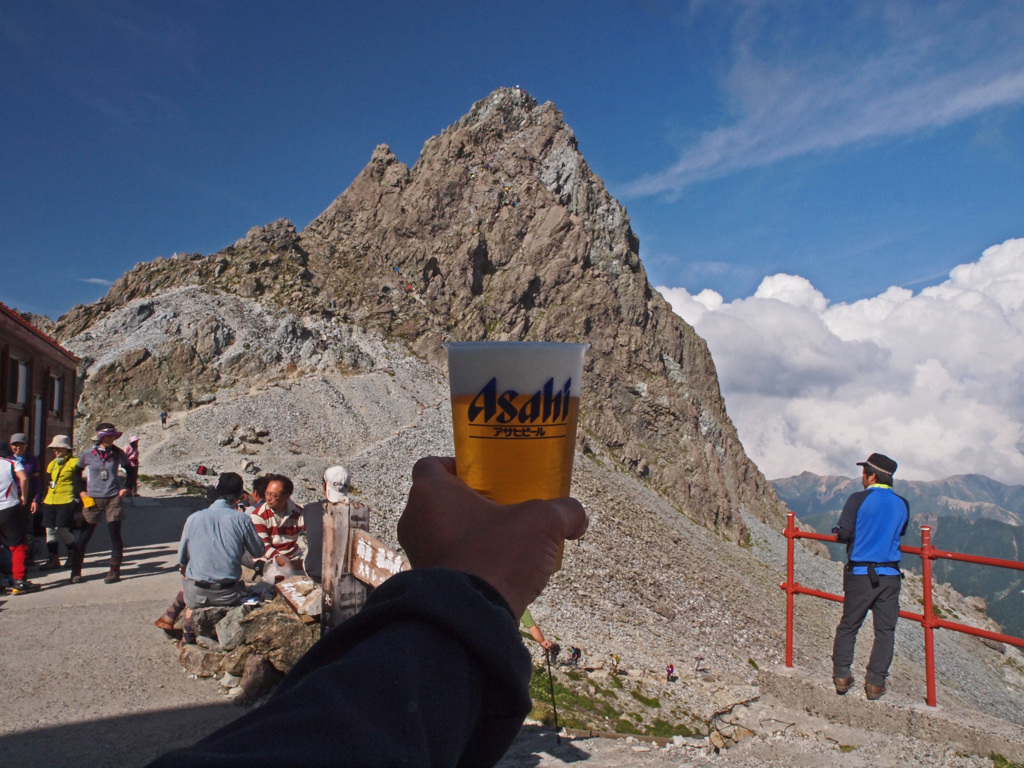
{"type": "Point", "coordinates": [62, 489]}
{"type": "Point", "coordinates": [32, 503]}
{"type": "Point", "coordinates": [14, 517]}
{"type": "Point", "coordinates": [102, 498]}
{"type": "Point", "coordinates": [871, 524]}
{"type": "Point", "coordinates": [163, 418]}
{"type": "Point", "coordinates": [132, 452]}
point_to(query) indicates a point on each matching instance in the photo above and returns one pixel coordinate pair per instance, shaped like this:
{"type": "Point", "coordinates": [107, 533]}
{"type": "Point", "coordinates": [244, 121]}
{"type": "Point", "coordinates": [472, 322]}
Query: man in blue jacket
{"type": "Point", "coordinates": [871, 524]}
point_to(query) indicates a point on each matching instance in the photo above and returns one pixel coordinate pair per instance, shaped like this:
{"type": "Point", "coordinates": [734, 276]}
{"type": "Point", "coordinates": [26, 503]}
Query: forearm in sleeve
{"type": "Point", "coordinates": [431, 672]}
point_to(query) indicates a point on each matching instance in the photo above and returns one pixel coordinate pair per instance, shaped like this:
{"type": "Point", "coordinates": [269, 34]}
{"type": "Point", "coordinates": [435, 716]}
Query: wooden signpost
{"type": "Point", "coordinates": [353, 561]}
{"type": "Point", "coordinates": [344, 594]}
{"type": "Point", "coordinates": [372, 561]}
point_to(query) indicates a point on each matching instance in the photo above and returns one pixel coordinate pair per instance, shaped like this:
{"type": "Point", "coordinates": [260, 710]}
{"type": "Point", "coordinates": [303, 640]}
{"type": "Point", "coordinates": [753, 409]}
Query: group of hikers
{"type": "Point", "coordinates": [63, 502]}
{"type": "Point", "coordinates": [261, 529]}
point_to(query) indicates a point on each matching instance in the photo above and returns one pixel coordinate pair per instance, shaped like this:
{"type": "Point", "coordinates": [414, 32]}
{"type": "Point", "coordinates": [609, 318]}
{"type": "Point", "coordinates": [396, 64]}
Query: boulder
{"type": "Point", "coordinates": [229, 638]}
{"type": "Point", "coordinates": [200, 661]}
{"type": "Point", "coordinates": [258, 678]}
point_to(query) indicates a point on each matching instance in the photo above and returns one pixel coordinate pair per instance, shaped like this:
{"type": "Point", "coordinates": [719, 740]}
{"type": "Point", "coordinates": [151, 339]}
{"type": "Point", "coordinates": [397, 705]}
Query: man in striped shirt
{"type": "Point", "coordinates": [279, 524]}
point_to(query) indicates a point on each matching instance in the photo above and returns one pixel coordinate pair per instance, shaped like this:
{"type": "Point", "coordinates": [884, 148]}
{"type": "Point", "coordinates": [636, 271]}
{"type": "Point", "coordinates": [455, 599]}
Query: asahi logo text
{"type": "Point", "coordinates": [546, 405]}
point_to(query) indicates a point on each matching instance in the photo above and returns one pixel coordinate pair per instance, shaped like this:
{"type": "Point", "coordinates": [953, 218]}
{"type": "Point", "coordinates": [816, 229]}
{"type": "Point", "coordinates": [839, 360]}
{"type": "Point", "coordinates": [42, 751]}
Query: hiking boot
{"type": "Point", "coordinates": [23, 587]}
{"type": "Point", "coordinates": [113, 575]}
{"type": "Point", "coordinates": [874, 692]}
{"type": "Point", "coordinates": [164, 623]}
{"type": "Point", "coordinates": [842, 684]}
{"type": "Point", "coordinates": [52, 564]}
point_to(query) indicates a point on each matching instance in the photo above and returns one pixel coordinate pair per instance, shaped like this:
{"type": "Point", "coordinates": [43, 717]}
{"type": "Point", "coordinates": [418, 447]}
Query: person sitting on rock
{"type": "Point", "coordinates": [336, 485]}
{"type": "Point", "coordinates": [278, 521]}
{"type": "Point", "coordinates": [213, 542]}
{"type": "Point", "coordinates": [259, 487]}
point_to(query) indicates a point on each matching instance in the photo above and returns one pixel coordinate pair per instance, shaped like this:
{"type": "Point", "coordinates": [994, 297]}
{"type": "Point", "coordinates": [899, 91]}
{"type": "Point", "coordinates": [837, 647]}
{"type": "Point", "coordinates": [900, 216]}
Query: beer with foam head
{"type": "Point", "coordinates": [514, 411]}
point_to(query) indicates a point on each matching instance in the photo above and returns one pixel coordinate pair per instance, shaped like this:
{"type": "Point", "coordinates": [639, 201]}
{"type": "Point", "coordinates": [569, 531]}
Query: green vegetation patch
{"type": "Point", "coordinates": [998, 761]}
{"type": "Point", "coordinates": [626, 726]}
{"type": "Point", "coordinates": [651, 703]}
{"type": "Point", "coordinates": [582, 703]}
{"type": "Point", "coordinates": [667, 730]}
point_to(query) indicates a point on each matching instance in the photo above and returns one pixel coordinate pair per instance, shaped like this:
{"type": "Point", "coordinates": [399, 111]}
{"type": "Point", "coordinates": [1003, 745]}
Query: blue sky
{"type": "Point", "coordinates": [857, 146]}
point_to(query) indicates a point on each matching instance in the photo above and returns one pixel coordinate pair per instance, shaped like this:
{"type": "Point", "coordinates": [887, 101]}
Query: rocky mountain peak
{"type": "Point", "coordinates": [500, 230]}
{"type": "Point", "coordinates": [279, 235]}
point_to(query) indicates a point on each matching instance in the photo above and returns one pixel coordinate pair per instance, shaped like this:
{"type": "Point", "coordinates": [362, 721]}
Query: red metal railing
{"type": "Point", "coordinates": [928, 619]}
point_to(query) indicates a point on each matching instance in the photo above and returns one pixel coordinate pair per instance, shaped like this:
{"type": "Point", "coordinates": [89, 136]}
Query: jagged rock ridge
{"type": "Point", "coordinates": [499, 231]}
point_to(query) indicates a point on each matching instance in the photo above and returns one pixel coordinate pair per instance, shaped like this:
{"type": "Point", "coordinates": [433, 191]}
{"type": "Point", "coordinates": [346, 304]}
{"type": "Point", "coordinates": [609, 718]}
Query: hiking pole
{"type": "Point", "coordinates": [554, 705]}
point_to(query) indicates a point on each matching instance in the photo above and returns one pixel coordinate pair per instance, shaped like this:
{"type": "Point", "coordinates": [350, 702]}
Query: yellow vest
{"type": "Point", "coordinates": [61, 481]}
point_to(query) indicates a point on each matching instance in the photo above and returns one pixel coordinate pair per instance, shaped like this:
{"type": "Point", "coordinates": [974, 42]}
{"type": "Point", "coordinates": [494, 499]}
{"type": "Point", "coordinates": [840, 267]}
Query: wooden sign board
{"type": "Point", "coordinates": [370, 559]}
{"type": "Point", "coordinates": [302, 595]}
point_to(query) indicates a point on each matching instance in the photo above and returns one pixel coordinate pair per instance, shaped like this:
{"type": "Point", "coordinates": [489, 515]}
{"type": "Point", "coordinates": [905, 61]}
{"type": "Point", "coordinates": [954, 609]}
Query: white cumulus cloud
{"type": "Point", "coordinates": [934, 379]}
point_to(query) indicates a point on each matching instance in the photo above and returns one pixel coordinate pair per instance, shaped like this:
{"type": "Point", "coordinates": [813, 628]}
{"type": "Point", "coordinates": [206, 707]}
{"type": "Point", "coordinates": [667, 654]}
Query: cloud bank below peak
{"type": "Point", "coordinates": [932, 379]}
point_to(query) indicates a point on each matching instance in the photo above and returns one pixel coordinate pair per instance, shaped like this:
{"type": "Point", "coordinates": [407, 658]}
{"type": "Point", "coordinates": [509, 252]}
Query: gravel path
{"type": "Point", "coordinates": [87, 679]}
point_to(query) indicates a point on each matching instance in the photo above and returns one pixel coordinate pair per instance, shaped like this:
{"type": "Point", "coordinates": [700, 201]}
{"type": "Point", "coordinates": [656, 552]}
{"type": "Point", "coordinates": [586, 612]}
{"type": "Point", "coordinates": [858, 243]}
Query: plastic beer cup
{"type": "Point", "coordinates": [515, 406]}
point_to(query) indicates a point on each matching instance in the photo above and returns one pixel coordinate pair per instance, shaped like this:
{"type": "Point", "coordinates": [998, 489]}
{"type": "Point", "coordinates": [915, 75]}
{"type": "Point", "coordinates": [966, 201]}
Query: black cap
{"type": "Point", "coordinates": [879, 462]}
{"type": "Point", "coordinates": [229, 484]}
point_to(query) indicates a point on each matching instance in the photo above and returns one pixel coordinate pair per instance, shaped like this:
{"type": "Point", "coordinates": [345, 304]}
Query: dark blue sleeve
{"type": "Point", "coordinates": [848, 518]}
{"type": "Point", "coordinates": [432, 672]}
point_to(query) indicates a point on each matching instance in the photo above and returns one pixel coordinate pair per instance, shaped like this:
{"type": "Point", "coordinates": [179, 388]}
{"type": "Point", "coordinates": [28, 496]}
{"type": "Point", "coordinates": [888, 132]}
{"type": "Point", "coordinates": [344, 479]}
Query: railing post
{"type": "Point", "coordinates": [928, 622]}
{"type": "Point", "coordinates": [790, 585]}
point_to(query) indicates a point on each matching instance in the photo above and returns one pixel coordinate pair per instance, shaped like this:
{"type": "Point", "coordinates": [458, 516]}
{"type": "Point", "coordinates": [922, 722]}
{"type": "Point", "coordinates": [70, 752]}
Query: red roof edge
{"type": "Point", "coordinates": [22, 321]}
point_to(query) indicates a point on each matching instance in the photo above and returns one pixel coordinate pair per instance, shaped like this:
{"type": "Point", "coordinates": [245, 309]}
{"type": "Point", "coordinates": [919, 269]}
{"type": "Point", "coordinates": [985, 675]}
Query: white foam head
{"type": "Point", "coordinates": [524, 366]}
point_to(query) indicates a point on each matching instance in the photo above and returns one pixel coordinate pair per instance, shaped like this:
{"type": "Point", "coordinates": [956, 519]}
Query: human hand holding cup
{"type": "Point", "coordinates": [515, 407]}
{"type": "Point", "coordinates": [446, 524]}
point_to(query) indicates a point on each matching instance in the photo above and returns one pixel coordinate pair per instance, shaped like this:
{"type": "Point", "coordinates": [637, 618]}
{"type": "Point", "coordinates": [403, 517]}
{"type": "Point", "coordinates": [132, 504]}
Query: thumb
{"type": "Point", "coordinates": [569, 519]}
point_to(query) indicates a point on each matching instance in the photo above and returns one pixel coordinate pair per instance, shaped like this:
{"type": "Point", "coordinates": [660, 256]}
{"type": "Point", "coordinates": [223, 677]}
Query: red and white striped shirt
{"type": "Point", "coordinates": [279, 533]}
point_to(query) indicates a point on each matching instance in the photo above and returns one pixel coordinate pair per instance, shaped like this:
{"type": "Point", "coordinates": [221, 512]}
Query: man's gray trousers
{"type": "Point", "coordinates": [884, 603]}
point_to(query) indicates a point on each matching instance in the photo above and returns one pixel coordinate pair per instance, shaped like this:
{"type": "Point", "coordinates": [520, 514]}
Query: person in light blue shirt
{"type": "Point", "coordinates": [871, 524]}
{"type": "Point", "coordinates": [213, 544]}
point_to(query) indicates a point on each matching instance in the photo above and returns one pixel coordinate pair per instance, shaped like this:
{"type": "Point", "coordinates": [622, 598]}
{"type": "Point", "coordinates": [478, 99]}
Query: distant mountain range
{"type": "Point", "coordinates": [969, 497]}
{"type": "Point", "coordinates": [971, 514]}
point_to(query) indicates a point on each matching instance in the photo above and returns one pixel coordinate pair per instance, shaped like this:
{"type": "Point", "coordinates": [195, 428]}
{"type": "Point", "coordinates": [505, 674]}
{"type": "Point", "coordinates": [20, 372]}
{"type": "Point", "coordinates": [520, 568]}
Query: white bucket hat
{"type": "Point", "coordinates": [60, 441]}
